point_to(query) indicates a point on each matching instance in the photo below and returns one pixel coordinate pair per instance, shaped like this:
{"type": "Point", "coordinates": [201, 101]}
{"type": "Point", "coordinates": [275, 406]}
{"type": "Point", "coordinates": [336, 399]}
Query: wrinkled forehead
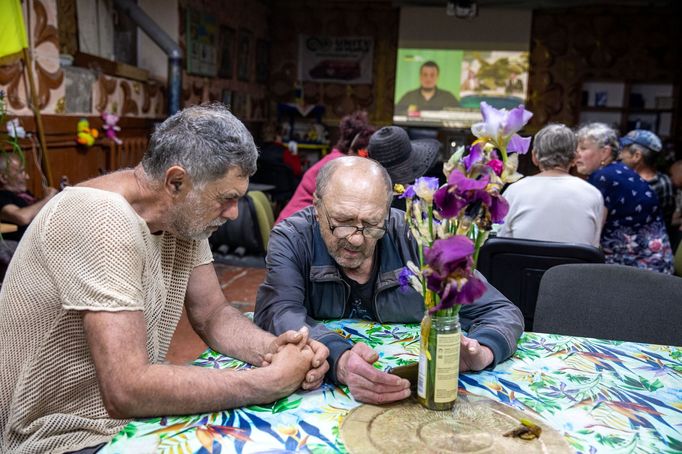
{"type": "Point", "coordinates": [359, 197]}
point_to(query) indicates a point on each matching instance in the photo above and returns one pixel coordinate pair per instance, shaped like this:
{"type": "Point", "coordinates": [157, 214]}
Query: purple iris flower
{"type": "Point", "coordinates": [474, 156]}
{"type": "Point", "coordinates": [498, 207]}
{"type": "Point", "coordinates": [408, 194]}
{"type": "Point", "coordinates": [501, 126]}
{"type": "Point", "coordinates": [404, 279]}
{"type": "Point", "coordinates": [460, 192]}
{"type": "Point", "coordinates": [448, 260]}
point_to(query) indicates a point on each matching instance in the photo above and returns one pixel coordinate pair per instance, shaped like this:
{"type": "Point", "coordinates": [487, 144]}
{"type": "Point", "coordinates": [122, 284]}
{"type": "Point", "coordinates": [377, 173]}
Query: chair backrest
{"type": "Point", "coordinates": [126, 154]}
{"type": "Point", "coordinates": [264, 215]}
{"type": "Point", "coordinates": [611, 302]}
{"type": "Point", "coordinates": [515, 266]}
{"type": "Point", "coordinates": [241, 235]}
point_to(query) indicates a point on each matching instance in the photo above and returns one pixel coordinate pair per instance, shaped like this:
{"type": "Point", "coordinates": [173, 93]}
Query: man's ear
{"type": "Point", "coordinates": [176, 181]}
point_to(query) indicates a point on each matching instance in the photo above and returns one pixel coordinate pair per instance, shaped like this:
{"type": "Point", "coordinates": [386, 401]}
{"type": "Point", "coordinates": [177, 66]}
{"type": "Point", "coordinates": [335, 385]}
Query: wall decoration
{"type": "Point", "coordinates": [227, 53]}
{"type": "Point", "coordinates": [336, 59]}
{"type": "Point", "coordinates": [262, 60]}
{"type": "Point", "coordinates": [201, 41]}
{"type": "Point", "coordinates": [244, 55]}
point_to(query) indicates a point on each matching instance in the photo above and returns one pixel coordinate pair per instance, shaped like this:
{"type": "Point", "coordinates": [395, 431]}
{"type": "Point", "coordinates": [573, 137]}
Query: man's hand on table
{"type": "Point", "coordinates": [289, 367]}
{"type": "Point", "coordinates": [473, 356]}
{"type": "Point", "coordinates": [366, 383]}
{"type": "Point", "coordinates": [319, 364]}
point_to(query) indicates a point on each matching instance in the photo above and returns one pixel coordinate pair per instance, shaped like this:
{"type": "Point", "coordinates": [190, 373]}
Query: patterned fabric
{"type": "Point", "coordinates": [634, 233]}
{"type": "Point", "coordinates": [663, 186]}
{"type": "Point", "coordinates": [604, 396]}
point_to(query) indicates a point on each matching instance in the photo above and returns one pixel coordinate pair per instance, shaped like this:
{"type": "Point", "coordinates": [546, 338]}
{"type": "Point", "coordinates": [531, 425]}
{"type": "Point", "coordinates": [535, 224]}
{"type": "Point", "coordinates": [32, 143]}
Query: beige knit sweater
{"type": "Point", "coordinates": [86, 250]}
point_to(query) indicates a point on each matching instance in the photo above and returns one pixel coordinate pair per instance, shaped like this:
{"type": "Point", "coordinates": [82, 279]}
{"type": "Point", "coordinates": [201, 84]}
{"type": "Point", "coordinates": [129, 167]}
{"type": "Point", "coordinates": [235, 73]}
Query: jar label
{"type": "Point", "coordinates": [421, 384]}
{"type": "Point", "coordinates": [447, 368]}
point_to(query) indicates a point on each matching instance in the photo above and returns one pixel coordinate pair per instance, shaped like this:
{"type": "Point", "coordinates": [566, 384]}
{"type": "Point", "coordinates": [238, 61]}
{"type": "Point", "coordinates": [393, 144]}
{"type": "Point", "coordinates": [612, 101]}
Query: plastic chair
{"type": "Point", "coordinates": [610, 302]}
{"type": "Point", "coordinates": [515, 266]}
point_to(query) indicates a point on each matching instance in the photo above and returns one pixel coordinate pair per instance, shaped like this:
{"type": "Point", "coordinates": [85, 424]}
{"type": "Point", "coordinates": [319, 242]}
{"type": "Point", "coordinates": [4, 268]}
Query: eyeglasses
{"type": "Point", "coordinates": [345, 231]}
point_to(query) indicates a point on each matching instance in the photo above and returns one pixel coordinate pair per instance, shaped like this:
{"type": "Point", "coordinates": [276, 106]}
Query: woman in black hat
{"type": "Point", "coordinates": [404, 159]}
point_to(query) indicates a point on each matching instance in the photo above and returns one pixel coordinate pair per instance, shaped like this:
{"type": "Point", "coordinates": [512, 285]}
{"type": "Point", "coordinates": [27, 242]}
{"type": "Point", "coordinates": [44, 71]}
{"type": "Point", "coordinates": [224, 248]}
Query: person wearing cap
{"type": "Point", "coordinates": [341, 258]}
{"type": "Point", "coordinates": [639, 151]}
{"type": "Point", "coordinates": [634, 233]}
{"type": "Point", "coordinates": [354, 133]}
{"type": "Point", "coordinates": [428, 96]}
{"type": "Point", "coordinates": [405, 160]}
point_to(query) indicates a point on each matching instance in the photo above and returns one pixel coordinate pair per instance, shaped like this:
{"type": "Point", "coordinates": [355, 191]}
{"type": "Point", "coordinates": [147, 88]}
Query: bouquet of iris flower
{"type": "Point", "coordinates": [450, 224]}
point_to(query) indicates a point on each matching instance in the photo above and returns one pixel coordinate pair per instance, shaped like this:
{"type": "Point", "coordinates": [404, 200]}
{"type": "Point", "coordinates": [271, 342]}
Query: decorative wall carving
{"type": "Point", "coordinates": [570, 46]}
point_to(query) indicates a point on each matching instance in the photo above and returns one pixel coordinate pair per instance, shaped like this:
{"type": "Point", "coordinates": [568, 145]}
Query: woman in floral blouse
{"type": "Point", "coordinates": [634, 233]}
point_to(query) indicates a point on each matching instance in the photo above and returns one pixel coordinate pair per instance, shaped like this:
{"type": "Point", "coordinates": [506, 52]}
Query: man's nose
{"type": "Point", "coordinates": [231, 211]}
{"type": "Point", "coordinates": [357, 238]}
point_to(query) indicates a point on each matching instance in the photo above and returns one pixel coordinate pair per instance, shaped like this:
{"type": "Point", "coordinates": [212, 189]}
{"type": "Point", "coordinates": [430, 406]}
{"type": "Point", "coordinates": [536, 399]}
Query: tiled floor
{"type": "Point", "coordinates": [239, 285]}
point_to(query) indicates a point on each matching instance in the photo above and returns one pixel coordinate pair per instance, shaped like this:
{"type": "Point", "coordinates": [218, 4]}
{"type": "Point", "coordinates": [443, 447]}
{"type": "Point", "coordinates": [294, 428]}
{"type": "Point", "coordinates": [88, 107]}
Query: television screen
{"type": "Point", "coordinates": [444, 88]}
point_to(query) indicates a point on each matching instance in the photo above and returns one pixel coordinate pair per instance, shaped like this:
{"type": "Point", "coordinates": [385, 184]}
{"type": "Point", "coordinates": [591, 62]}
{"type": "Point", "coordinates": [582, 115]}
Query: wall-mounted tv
{"type": "Point", "coordinates": [444, 87]}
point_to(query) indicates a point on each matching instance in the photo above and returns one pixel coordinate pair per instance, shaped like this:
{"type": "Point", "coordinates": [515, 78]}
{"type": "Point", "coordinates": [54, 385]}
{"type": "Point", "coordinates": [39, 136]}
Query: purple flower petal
{"type": "Point", "coordinates": [404, 279]}
{"type": "Point", "coordinates": [515, 120]}
{"type": "Point", "coordinates": [471, 291]}
{"type": "Point", "coordinates": [447, 202]}
{"type": "Point", "coordinates": [463, 183]}
{"type": "Point", "coordinates": [408, 194]}
{"type": "Point", "coordinates": [446, 255]}
{"type": "Point", "coordinates": [499, 207]}
{"type": "Point", "coordinates": [518, 144]}
{"type": "Point", "coordinates": [474, 156]}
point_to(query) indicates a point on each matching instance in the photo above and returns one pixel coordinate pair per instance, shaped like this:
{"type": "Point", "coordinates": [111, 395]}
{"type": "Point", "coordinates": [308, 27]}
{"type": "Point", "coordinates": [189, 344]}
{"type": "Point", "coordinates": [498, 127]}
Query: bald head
{"type": "Point", "coordinates": [353, 174]}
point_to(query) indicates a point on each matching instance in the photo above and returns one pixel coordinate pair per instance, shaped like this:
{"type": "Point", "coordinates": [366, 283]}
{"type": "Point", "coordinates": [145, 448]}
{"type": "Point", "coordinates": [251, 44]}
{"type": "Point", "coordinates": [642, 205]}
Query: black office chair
{"type": "Point", "coordinates": [610, 302]}
{"type": "Point", "coordinates": [515, 266]}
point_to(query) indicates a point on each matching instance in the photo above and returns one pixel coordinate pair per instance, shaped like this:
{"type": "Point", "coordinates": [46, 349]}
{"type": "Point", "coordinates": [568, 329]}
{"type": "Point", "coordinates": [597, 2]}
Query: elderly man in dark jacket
{"type": "Point", "coordinates": [341, 258]}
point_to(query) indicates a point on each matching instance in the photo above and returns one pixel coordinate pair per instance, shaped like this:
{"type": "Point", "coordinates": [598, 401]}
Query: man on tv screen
{"type": "Point", "coordinates": [428, 96]}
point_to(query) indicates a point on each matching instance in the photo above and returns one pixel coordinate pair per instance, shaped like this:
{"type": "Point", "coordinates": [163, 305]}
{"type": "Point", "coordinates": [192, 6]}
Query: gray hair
{"type": "Point", "coordinates": [648, 155]}
{"type": "Point", "coordinates": [602, 135]}
{"type": "Point", "coordinates": [327, 172]}
{"type": "Point", "coordinates": [555, 146]}
{"type": "Point", "coordinates": [205, 140]}
{"type": "Point", "coordinates": [5, 157]}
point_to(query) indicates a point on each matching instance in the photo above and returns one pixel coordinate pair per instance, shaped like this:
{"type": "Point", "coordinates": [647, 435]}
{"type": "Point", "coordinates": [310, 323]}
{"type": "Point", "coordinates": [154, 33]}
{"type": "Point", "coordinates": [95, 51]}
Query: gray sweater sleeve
{"type": "Point", "coordinates": [493, 321]}
{"type": "Point", "coordinates": [280, 303]}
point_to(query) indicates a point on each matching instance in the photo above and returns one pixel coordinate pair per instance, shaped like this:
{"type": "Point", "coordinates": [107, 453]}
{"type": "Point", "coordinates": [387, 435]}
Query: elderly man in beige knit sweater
{"type": "Point", "coordinates": [97, 286]}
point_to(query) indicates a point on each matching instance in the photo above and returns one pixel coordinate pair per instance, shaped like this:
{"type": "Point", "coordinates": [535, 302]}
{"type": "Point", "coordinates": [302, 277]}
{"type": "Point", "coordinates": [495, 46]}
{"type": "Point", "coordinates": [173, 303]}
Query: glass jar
{"type": "Point", "coordinates": [439, 361]}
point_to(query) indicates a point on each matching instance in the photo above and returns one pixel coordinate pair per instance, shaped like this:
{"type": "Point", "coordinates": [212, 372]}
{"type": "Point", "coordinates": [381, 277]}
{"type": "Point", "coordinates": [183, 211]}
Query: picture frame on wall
{"type": "Point", "coordinates": [227, 52]}
{"type": "Point", "coordinates": [244, 55]}
{"type": "Point", "coordinates": [201, 43]}
{"type": "Point", "coordinates": [262, 60]}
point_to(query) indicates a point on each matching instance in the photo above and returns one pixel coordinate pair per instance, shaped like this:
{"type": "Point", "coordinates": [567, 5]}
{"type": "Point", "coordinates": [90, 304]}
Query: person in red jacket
{"type": "Point", "coordinates": [354, 134]}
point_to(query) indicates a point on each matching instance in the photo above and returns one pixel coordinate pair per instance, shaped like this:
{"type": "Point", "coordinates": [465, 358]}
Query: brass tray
{"type": "Point", "coordinates": [474, 425]}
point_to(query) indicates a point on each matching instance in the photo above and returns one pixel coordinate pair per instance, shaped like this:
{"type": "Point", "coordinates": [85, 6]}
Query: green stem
{"type": "Point", "coordinates": [477, 247]}
{"type": "Point", "coordinates": [503, 152]}
{"type": "Point", "coordinates": [430, 210]}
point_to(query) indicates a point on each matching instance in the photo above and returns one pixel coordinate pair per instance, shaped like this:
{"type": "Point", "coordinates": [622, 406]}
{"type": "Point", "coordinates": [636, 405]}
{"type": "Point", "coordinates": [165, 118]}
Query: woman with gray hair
{"type": "Point", "coordinates": [634, 233]}
{"type": "Point", "coordinates": [554, 205]}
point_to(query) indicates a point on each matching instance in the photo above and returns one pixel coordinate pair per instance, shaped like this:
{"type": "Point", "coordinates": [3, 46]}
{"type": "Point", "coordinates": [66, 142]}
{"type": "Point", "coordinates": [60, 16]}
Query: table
{"type": "Point", "coordinates": [602, 395]}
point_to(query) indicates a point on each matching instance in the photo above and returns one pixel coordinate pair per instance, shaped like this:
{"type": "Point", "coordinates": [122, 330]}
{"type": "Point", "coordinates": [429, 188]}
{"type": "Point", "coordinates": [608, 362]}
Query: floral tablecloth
{"type": "Point", "coordinates": [604, 396]}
